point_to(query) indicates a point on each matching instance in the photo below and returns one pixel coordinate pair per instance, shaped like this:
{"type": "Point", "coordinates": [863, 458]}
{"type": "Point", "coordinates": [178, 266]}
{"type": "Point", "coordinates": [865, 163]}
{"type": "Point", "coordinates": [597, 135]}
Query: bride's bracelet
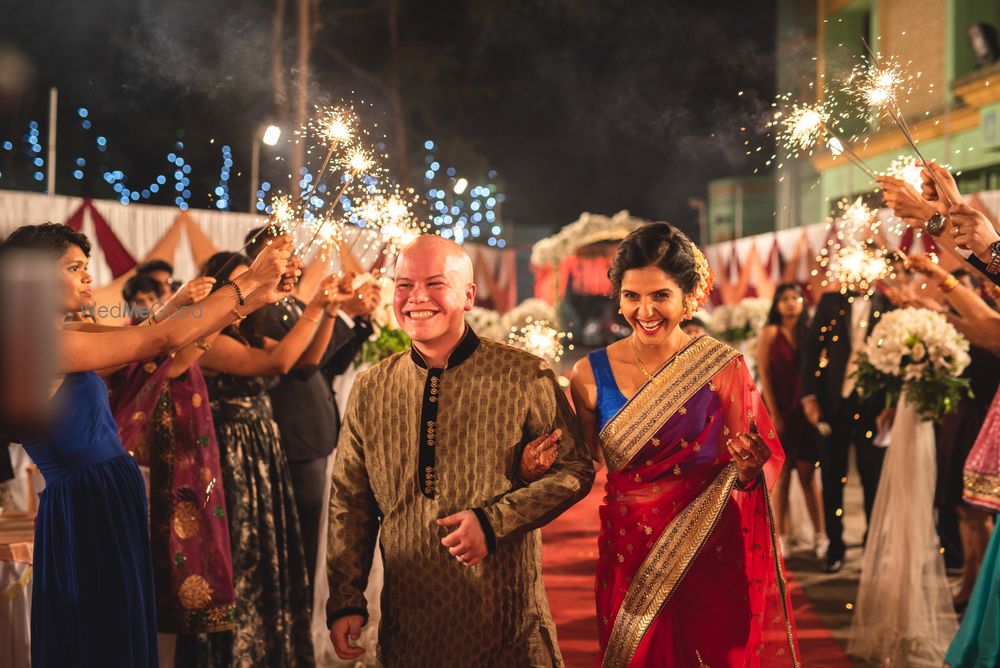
{"type": "Point", "coordinates": [751, 486]}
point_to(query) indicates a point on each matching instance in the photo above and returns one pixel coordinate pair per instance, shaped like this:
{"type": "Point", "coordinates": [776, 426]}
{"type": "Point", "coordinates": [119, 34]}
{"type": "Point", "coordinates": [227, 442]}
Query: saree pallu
{"type": "Point", "coordinates": [982, 467]}
{"type": "Point", "coordinates": [166, 424]}
{"type": "Point", "coordinates": [689, 572]}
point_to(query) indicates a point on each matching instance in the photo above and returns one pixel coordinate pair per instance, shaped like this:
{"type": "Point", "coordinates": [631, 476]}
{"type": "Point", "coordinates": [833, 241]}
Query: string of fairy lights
{"type": "Point", "coordinates": [460, 207]}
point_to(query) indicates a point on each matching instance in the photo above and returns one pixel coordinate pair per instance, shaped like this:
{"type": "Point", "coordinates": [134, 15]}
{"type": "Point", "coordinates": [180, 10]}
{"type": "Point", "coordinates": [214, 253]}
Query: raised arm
{"type": "Point", "coordinates": [88, 351]}
{"type": "Point", "coordinates": [233, 357]}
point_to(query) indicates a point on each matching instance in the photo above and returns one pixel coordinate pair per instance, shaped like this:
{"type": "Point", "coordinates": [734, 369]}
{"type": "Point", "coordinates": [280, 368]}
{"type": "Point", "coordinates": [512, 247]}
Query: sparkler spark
{"type": "Point", "coordinates": [905, 168]}
{"type": "Point", "coordinates": [802, 127]}
{"type": "Point", "coordinates": [358, 161]}
{"type": "Point", "coordinates": [852, 257]}
{"type": "Point", "coordinates": [541, 339]}
{"type": "Point", "coordinates": [282, 211]}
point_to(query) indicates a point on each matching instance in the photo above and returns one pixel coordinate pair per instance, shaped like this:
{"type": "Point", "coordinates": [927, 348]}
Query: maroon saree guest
{"type": "Point", "coordinates": [167, 425]}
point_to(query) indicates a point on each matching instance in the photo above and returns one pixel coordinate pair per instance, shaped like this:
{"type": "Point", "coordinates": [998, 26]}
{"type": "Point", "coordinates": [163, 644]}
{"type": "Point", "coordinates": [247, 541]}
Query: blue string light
{"type": "Point", "coordinates": [464, 215]}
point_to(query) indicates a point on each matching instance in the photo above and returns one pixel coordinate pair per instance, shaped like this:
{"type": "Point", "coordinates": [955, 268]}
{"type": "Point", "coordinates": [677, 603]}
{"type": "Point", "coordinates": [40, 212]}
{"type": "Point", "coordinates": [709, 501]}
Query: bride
{"type": "Point", "coordinates": [689, 573]}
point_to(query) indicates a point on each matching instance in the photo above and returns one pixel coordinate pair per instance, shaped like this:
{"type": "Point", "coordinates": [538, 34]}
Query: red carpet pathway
{"type": "Point", "coordinates": [569, 556]}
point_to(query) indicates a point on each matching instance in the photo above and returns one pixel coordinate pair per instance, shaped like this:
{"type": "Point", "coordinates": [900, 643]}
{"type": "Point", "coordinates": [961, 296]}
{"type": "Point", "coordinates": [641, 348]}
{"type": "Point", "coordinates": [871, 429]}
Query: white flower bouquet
{"type": "Point", "coordinates": [742, 321]}
{"type": "Point", "coordinates": [915, 352]}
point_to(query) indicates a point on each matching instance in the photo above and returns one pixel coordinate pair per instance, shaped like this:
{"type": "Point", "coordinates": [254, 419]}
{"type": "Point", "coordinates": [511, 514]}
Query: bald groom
{"type": "Point", "coordinates": [429, 452]}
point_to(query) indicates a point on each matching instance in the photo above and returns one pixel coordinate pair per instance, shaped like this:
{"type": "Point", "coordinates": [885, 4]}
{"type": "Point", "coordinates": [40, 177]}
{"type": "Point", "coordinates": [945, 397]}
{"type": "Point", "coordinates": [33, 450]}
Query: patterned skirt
{"type": "Point", "coordinates": [269, 567]}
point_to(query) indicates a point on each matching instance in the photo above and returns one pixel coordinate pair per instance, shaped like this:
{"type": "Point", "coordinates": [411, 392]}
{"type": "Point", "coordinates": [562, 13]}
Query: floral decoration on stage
{"type": "Point", "coordinates": [917, 352]}
{"type": "Point", "coordinates": [590, 228]}
{"type": "Point", "coordinates": [740, 322]}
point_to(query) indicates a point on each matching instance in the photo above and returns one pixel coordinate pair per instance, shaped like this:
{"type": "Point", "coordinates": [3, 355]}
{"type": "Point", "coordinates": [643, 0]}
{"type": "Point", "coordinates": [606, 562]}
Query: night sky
{"type": "Point", "coordinates": [589, 105]}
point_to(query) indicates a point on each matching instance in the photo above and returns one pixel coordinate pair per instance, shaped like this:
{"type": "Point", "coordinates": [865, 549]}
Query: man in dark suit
{"type": "Point", "coordinates": [304, 404]}
{"type": "Point", "coordinates": [839, 328]}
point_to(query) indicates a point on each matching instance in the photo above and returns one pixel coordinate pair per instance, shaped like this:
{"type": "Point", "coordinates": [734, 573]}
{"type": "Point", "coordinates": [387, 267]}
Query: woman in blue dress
{"type": "Point", "coordinates": [93, 594]}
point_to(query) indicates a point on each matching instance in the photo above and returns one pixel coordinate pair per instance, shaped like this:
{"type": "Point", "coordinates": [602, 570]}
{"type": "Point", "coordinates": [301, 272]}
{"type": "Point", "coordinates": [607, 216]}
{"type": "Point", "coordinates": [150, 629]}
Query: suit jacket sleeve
{"type": "Point", "coordinates": [570, 478]}
{"type": "Point", "coordinates": [981, 266]}
{"type": "Point", "coordinates": [354, 518]}
{"type": "Point", "coordinates": [344, 346]}
{"type": "Point", "coordinates": [811, 347]}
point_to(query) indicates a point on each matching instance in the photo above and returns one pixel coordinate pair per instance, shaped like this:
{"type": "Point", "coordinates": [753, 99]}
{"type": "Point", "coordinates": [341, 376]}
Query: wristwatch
{"type": "Point", "coordinates": [935, 225]}
{"type": "Point", "coordinates": [993, 267]}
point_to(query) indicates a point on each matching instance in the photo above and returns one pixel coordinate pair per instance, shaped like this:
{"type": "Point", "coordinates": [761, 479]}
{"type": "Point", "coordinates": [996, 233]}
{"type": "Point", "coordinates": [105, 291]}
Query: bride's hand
{"type": "Point", "coordinates": [750, 453]}
{"type": "Point", "coordinates": [539, 455]}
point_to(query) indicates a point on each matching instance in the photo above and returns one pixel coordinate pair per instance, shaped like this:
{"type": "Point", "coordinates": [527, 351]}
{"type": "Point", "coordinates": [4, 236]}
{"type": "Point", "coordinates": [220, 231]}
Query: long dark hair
{"type": "Point", "coordinates": [774, 316]}
{"type": "Point", "coordinates": [221, 266]}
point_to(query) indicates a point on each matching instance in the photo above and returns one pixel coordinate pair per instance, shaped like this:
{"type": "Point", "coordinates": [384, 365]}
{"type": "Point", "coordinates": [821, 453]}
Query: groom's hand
{"type": "Point", "coordinates": [467, 543]}
{"type": "Point", "coordinates": [344, 630]}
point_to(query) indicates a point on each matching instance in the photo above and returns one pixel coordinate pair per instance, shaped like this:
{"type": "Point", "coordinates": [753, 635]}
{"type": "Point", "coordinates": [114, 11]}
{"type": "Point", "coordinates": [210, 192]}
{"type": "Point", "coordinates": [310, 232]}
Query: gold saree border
{"type": "Point", "coordinates": [782, 584]}
{"type": "Point", "coordinates": [665, 567]}
{"type": "Point", "coordinates": [981, 488]}
{"type": "Point", "coordinates": [635, 424]}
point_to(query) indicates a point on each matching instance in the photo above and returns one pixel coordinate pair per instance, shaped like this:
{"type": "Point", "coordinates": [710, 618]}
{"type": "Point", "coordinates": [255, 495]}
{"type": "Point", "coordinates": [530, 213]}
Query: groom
{"type": "Point", "coordinates": [429, 452]}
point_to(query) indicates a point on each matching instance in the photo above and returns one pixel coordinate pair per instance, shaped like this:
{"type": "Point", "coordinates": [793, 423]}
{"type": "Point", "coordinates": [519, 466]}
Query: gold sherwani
{"type": "Point", "coordinates": [419, 444]}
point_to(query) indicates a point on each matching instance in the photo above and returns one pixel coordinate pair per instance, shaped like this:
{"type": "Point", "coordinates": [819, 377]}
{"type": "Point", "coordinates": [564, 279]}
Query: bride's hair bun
{"type": "Point", "coordinates": [665, 247]}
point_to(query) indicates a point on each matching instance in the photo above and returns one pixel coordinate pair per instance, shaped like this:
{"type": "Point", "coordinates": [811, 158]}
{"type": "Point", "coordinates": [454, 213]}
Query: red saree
{"type": "Point", "coordinates": [689, 572]}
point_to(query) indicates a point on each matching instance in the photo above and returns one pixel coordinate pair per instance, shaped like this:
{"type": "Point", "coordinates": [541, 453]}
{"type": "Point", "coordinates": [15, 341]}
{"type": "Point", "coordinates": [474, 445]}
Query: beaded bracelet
{"type": "Point", "coordinates": [239, 293]}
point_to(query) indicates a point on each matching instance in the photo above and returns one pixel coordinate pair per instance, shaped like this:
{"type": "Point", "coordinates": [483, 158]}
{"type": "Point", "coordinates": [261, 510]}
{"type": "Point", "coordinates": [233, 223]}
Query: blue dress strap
{"type": "Point", "coordinates": [609, 397]}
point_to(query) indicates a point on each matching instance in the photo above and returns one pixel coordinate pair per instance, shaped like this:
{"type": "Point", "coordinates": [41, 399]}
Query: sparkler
{"type": "Point", "coordinates": [338, 126]}
{"type": "Point", "coordinates": [853, 256]}
{"type": "Point", "coordinates": [906, 169]}
{"type": "Point", "coordinates": [540, 338]}
{"type": "Point", "coordinates": [879, 89]}
{"type": "Point", "coordinates": [802, 128]}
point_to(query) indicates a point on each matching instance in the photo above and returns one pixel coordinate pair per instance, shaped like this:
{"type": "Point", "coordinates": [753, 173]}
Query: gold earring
{"type": "Point", "coordinates": [619, 312]}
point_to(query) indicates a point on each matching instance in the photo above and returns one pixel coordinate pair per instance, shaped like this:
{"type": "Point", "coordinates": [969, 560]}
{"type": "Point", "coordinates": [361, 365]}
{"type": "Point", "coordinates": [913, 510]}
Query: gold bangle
{"type": "Point", "coordinates": [315, 321]}
{"type": "Point", "coordinates": [203, 344]}
{"type": "Point", "coordinates": [949, 283]}
{"type": "Point", "coordinates": [238, 314]}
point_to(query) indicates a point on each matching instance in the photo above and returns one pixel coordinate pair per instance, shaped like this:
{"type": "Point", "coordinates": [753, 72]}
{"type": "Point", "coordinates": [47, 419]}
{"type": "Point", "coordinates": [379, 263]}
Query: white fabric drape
{"type": "Point", "coordinates": [15, 614]}
{"type": "Point", "coordinates": [904, 615]}
{"type": "Point", "coordinates": [140, 226]}
{"type": "Point", "coordinates": [325, 656]}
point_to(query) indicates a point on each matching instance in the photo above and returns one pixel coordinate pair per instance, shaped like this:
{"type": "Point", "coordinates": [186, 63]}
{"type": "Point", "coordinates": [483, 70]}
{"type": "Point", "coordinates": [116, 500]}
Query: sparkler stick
{"type": "Point", "coordinates": [892, 108]}
{"type": "Point", "coordinates": [333, 205]}
{"type": "Point", "coordinates": [848, 151]}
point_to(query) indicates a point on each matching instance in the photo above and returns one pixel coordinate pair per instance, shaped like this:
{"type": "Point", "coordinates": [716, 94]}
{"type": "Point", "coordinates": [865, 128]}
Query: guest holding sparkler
{"type": "Point", "coordinates": [165, 422]}
{"type": "Point", "coordinates": [93, 591]}
{"type": "Point", "coordinates": [303, 400]}
{"type": "Point", "coordinates": [272, 591]}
